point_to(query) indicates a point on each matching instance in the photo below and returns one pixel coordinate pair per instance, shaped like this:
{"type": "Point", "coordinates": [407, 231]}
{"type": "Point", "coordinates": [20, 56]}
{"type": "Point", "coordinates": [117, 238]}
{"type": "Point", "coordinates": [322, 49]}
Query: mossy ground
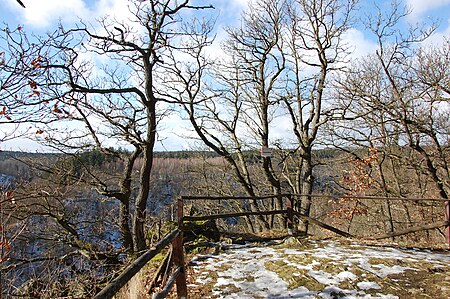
{"type": "Point", "coordinates": [411, 278]}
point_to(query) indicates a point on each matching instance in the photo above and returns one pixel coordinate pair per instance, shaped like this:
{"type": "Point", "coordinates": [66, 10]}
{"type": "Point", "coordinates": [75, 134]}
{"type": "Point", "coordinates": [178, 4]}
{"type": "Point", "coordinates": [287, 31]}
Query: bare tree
{"type": "Point", "coordinates": [392, 101]}
{"type": "Point", "coordinates": [21, 3]}
{"type": "Point", "coordinates": [102, 91]}
{"type": "Point", "coordinates": [317, 51]}
{"type": "Point", "coordinates": [283, 53]}
{"type": "Point", "coordinates": [233, 112]}
{"type": "Point", "coordinates": [121, 102]}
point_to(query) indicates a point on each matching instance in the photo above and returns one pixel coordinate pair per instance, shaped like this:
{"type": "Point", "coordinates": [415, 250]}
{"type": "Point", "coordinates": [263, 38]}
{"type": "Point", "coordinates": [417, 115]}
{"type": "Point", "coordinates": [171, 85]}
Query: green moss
{"type": "Point", "coordinates": [228, 290]}
{"type": "Point", "coordinates": [308, 259]}
{"type": "Point", "coordinates": [160, 232]}
{"type": "Point", "coordinates": [195, 222]}
{"type": "Point", "coordinates": [301, 244]}
{"type": "Point", "coordinates": [426, 279]}
{"type": "Point", "coordinates": [293, 276]}
{"type": "Point", "coordinates": [158, 258]}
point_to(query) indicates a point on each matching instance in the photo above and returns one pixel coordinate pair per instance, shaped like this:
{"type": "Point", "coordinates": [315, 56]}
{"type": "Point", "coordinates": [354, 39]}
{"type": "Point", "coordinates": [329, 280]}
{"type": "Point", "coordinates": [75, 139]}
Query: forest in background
{"type": "Point", "coordinates": [63, 234]}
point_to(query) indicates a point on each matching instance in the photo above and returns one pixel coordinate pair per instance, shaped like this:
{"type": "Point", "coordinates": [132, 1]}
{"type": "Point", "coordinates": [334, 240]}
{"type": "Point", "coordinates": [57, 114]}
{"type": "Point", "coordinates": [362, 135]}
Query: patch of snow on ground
{"type": "Point", "coordinates": [242, 274]}
{"type": "Point", "coordinates": [367, 285]}
{"type": "Point", "coordinates": [346, 275]}
{"type": "Point", "coordinates": [324, 277]}
{"type": "Point", "coordinates": [384, 271]}
{"type": "Point", "coordinates": [251, 264]}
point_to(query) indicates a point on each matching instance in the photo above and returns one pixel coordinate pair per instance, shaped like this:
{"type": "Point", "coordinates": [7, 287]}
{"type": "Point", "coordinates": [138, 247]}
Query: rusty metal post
{"type": "Point", "coordinates": [290, 215]}
{"type": "Point", "coordinates": [447, 219]}
{"type": "Point", "coordinates": [178, 254]}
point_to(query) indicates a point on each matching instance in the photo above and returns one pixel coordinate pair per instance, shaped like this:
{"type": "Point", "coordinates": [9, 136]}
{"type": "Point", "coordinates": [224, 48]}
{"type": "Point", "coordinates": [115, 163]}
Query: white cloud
{"type": "Point", "coordinates": [117, 9]}
{"type": "Point", "coordinates": [25, 145]}
{"type": "Point", "coordinates": [215, 51]}
{"type": "Point", "coordinates": [359, 45]}
{"type": "Point", "coordinates": [420, 7]}
{"type": "Point", "coordinates": [42, 13]}
{"type": "Point", "coordinates": [174, 134]}
{"type": "Point", "coordinates": [243, 3]}
{"type": "Point", "coordinates": [439, 37]}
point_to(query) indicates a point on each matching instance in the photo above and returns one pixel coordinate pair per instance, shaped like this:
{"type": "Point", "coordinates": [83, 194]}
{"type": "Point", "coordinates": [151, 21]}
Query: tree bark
{"type": "Point", "coordinates": [307, 187]}
{"type": "Point", "coordinates": [144, 180]}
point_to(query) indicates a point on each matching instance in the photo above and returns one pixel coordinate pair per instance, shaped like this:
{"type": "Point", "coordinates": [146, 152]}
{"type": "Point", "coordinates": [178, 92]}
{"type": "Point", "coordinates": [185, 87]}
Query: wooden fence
{"type": "Point", "coordinates": [436, 215]}
{"type": "Point", "coordinates": [288, 211]}
{"type": "Point", "coordinates": [179, 276]}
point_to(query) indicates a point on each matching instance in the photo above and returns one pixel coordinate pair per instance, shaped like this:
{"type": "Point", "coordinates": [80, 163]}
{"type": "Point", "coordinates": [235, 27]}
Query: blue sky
{"type": "Point", "coordinates": [41, 16]}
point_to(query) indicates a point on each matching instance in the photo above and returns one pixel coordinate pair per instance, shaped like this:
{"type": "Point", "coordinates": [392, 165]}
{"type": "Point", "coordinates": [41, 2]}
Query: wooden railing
{"type": "Point", "coordinates": [290, 213]}
{"type": "Point", "coordinates": [176, 237]}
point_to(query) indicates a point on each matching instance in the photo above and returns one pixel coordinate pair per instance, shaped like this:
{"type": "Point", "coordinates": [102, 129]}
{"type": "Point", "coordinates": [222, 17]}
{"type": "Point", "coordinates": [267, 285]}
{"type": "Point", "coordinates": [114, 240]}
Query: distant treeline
{"type": "Point", "coordinates": [183, 154]}
{"type": "Point", "coordinates": [4, 155]}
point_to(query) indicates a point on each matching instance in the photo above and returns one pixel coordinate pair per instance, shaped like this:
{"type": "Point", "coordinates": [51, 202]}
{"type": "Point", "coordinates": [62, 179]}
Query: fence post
{"type": "Point", "coordinates": [178, 254]}
{"type": "Point", "coordinates": [290, 215]}
{"type": "Point", "coordinates": [447, 219]}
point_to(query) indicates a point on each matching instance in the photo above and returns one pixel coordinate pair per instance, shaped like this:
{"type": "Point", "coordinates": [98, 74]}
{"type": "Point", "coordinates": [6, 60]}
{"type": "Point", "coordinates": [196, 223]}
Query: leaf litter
{"type": "Point", "coordinates": [321, 269]}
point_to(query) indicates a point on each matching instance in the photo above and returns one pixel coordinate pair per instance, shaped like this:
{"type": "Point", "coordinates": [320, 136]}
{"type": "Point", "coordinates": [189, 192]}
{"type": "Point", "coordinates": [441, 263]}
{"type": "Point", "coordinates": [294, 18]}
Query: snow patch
{"type": "Point", "coordinates": [367, 285]}
{"type": "Point", "coordinates": [242, 274]}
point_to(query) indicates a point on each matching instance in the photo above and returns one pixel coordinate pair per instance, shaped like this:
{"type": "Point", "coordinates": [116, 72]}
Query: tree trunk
{"type": "Point", "coordinates": [141, 201]}
{"type": "Point", "coordinates": [144, 181]}
{"type": "Point", "coordinates": [125, 232]}
{"type": "Point", "coordinates": [124, 198]}
{"type": "Point", "coordinates": [385, 191]}
{"type": "Point", "coordinates": [307, 186]}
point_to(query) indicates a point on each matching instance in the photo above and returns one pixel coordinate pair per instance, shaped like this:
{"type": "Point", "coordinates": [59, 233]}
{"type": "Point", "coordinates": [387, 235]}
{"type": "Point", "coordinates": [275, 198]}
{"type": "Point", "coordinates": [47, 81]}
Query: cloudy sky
{"type": "Point", "coordinates": [41, 16]}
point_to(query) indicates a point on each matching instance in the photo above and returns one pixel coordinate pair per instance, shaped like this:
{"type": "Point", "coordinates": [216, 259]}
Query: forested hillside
{"type": "Point", "coordinates": [56, 217]}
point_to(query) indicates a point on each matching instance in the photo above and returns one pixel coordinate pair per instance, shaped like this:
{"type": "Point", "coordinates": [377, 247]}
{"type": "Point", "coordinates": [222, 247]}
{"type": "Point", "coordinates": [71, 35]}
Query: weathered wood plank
{"type": "Point", "coordinates": [311, 195]}
{"type": "Point", "coordinates": [165, 291]}
{"type": "Point", "coordinates": [113, 287]}
{"type": "Point", "coordinates": [218, 216]}
{"type": "Point", "coordinates": [178, 254]}
{"type": "Point", "coordinates": [410, 230]}
{"type": "Point", "coordinates": [323, 225]}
